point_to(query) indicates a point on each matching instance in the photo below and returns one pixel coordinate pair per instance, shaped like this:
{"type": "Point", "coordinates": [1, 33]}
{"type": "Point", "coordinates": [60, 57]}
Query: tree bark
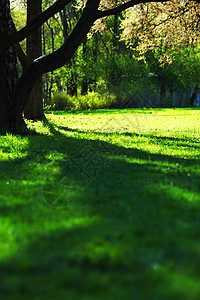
{"type": "Point", "coordinates": [8, 67]}
{"type": "Point", "coordinates": [34, 106]}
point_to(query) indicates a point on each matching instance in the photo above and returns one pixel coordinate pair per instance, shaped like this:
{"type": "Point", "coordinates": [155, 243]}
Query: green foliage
{"type": "Point", "coordinates": [62, 101]}
{"type": "Point", "coordinates": [90, 101]}
{"type": "Point", "coordinates": [186, 67]}
{"type": "Point", "coordinates": [183, 72]}
{"type": "Point", "coordinates": [120, 68]}
{"type": "Point", "coordinates": [140, 93]}
{"type": "Point", "coordinates": [99, 205]}
{"type": "Point", "coordinates": [130, 80]}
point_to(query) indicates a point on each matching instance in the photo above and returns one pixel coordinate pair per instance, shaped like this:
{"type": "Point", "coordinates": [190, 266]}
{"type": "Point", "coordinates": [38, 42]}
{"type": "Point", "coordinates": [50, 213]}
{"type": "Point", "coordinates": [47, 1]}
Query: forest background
{"type": "Point", "coordinates": [146, 56]}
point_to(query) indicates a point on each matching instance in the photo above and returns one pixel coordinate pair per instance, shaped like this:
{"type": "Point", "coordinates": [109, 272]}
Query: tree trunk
{"type": "Point", "coordinates": [115, 34]}
{"type": "Point", "coordinates": [50, 62]}
{"type": "Point", "coordinates": [34, 106]}
{"type": "Point", "coordinates": [71, 82]}
{"type": "Point", "coordinates": [51, 81]}
{"type": "Point", "coordinates": [8, 67]}
{"type": "Point", "coordinates": [84, 84]}
{"type": "Point", "coordinates": [63, 17]}
{"type": "Point", "coordinates": [194, 95]}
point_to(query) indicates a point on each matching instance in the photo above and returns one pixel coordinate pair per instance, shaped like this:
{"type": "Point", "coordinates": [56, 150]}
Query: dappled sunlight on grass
{"type": "Point", "coordinates": [180, 193]}
{"type": "Point", "coordinates": [95, 208]}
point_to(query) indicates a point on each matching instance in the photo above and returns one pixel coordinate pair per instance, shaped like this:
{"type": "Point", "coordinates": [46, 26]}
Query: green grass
{"type": "Point", "coordinates": [102, 205]}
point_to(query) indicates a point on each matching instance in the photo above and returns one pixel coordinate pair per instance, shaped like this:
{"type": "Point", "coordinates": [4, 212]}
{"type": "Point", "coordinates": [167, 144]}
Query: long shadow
{"type": "Point", "coordinates": [130, 225]}
{"type": "Point", "coordinates": [159, 138]}
{"type": "Point", "coordinates": [180, 142]}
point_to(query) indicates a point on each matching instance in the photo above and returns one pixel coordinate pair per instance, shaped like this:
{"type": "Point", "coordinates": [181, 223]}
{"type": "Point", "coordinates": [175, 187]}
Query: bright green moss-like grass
{"type": "Point", "coordinates": [102, 204]}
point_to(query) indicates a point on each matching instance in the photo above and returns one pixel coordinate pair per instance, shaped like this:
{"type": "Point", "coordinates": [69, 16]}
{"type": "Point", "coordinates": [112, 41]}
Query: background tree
{"type": "Point", "coordinates": [34, 106]}
{"type": "Point", "coordinates": [167, 27]}
{"type": "Point", "coordinates": [166, 35]}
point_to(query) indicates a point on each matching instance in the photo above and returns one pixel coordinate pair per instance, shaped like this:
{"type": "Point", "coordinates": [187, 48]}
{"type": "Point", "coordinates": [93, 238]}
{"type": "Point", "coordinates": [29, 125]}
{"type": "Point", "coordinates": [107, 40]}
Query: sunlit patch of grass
{"type": "Point", "coordinates": [99, 204]}
{"type": "Point", "coordinates": [12, 147]}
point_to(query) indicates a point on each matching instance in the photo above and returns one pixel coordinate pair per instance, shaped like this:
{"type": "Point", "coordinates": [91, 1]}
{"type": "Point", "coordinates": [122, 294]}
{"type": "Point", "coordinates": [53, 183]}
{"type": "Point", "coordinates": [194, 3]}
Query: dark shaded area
{"type": "Point", "coordinates": [150, 236]}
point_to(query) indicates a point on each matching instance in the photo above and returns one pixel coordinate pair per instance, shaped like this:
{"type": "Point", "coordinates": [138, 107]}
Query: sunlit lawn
{"type": "Point", "coordinates": [102, 205]}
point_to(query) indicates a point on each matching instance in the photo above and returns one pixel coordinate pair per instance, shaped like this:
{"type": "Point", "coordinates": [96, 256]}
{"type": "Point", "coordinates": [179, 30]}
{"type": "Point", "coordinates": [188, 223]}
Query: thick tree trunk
{"type": "Point", "coordinates": [34, 106]}
{"type": "Point", "coordinates": [8, 67]}
{"type": "Point", "coordinates": [4, 99]}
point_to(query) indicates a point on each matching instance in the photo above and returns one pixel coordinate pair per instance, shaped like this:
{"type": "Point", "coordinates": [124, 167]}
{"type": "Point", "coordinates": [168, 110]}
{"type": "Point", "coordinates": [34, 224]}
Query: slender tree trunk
{"type": "Point", "coordinates": [45, 77]}
{"type": "Point", "coordinates": [115, 34]}
{"type": "Point", "coordinates": [194, 95]}
{"type": "Point", "coordinates": [71, 83]}
{"type": "Point", "coordinates": [8, 67]}
{"type": "Point", "coordinates": [84, 84]}
{"type": "Point", "coordinates": [63, 17]}
{"type": "Point", "coordinates": [51, 81]}
{"type": "Point", "coordinates": [34, 106]}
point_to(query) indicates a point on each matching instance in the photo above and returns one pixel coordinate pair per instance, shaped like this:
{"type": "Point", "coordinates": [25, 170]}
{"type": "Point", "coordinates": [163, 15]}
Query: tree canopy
{"type": "Point", "coordinates": [172, 26]}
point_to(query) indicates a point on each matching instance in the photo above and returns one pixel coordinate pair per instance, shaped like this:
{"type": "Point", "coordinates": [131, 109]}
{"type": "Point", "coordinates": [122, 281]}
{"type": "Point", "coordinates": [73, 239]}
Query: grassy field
{"type": "Point", "coordinates": [102, 205]}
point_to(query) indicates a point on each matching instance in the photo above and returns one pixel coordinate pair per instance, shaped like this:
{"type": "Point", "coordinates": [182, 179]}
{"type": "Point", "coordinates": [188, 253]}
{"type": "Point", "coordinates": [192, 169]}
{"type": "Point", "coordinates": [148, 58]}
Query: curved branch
{"type": "Point", "coordinates": [20, 35]}
{"type": "Point", "coordinates": [122, 7]}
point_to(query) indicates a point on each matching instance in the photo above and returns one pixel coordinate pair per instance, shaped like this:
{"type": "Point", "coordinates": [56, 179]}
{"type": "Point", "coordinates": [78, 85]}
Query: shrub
{"type": "Point", "coordinates": [61, 101]}
{"type": "Point", "coordinates": [92, 100]}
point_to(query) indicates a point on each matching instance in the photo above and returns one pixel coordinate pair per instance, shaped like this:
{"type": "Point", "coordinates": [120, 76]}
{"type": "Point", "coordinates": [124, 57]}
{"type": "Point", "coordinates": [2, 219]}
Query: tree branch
{"type": "Point", "coordinates": [122, 7]}
{"type": "Point", "coordinates": [20, 52]}
{"type": "Point", "coordinates": [20, 35]}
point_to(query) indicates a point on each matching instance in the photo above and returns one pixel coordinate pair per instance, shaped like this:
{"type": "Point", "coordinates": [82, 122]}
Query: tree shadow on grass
{"type": "Point", "coordinates": [134, 223]}
{"type": "Point", "coordinates": [166, 140]}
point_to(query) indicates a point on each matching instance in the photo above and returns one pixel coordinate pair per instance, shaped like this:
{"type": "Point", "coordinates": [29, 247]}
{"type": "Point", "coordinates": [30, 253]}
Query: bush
{"type": "Point", "coordinates": [61, 101]}
{"type": "Point", "coordinates": [92, 100]}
